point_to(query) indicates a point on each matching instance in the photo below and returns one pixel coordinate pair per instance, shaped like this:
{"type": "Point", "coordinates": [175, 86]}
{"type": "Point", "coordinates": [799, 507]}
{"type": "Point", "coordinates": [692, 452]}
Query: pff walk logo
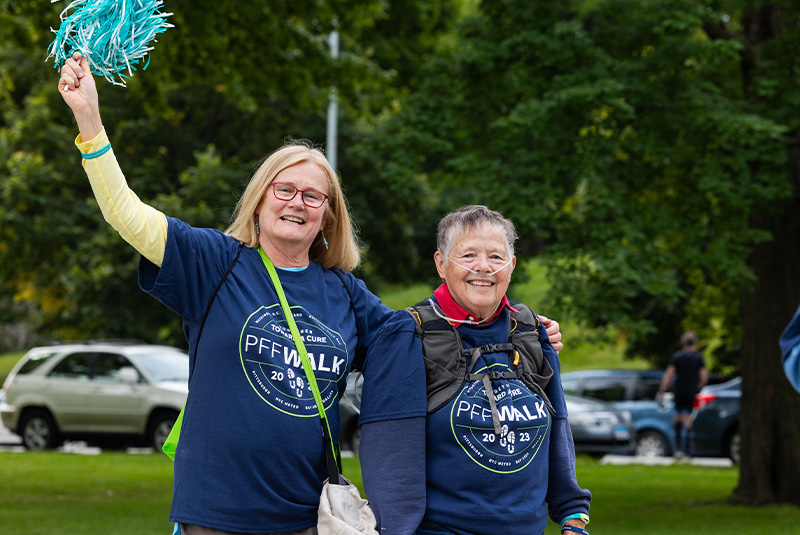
{"type": "Point", "coordinates": [524, 422]}
{"type": "Point", "coordinates": [273, 365]}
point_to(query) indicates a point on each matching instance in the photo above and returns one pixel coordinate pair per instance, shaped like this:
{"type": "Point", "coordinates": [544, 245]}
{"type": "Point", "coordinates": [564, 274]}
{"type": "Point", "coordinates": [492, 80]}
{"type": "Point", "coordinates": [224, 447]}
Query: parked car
{"type": "Point", "coordinates": [715, 430]}
{"type": "Point", "coordinates": [597, 427]}
{"type": "Point", "coordinates": [95, 391]}
{"type": "Point", "coordinates": [633, 392]}
{"type": "Point", "coordinates": [349, 408]}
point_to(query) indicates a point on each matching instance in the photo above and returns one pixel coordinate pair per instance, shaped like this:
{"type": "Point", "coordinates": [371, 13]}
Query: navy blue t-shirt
{"type": "Point", "coordinates": [478, 481]}
{"type": "Point", "coordinates": [250, 457]}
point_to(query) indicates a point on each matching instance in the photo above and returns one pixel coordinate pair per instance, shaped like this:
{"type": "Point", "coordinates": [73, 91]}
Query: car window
{"type": "Point", "coordinates": [34, 361]}
{"type": "Point", "coordinates": [569, 384]}
{"type": "Point", "coordinates": [605, 388]}
{"type": "Point", "coordinates": [74, 366]}
{"type": "Point", "coordinates": [165, 365]}
{"type": "Point", "coordinates": [108, 365]}
{"type": "Point", "coordinates": [646, 388]}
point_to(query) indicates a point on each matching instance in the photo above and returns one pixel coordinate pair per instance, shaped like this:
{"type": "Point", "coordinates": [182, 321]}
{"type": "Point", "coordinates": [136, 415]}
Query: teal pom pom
{"type": "Point", "coordinates": [113, 35]}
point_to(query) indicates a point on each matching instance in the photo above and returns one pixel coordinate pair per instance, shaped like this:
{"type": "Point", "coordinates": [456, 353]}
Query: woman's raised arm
{"type": "Point", "coordinates": [139, 224]}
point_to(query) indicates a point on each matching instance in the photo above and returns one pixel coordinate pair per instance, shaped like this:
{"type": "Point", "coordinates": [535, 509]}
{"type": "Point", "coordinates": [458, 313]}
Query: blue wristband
{"type": "Point", "coordinates": [577, 516]}
{"type": "Point", "coordinates": [574, 529]}
{"type": "Point", "coordinates": [97, 154]}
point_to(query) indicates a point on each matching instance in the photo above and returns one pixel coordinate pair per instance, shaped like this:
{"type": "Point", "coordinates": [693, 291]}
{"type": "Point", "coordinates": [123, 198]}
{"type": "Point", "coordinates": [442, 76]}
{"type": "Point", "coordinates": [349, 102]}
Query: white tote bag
{"type": "Point", "coordinates": [342, 511]}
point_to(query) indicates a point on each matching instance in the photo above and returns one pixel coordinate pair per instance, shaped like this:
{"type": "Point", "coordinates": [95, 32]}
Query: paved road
{"type": "Point", "coordinates": [701, 461]}
{"type": "Point", "coordinates": [8, 440]}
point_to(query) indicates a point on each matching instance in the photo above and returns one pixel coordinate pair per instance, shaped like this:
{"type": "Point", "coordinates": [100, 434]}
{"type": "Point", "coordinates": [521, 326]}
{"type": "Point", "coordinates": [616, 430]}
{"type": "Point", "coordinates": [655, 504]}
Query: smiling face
{"type": "Point", "coordinates": [473, 284]}
{"type": "Point", "coordinates": [288, 228]}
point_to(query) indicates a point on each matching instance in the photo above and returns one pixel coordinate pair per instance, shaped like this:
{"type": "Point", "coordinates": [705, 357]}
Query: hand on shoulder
{"type": "Point", "coordinates": [553, 332]}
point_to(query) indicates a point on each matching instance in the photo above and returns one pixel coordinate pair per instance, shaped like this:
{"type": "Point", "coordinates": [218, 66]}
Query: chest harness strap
{"type": "Point", "coordinates": [448, 365]}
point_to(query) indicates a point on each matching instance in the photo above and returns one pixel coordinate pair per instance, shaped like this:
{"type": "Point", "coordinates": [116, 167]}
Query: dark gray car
{"type": "Point", "coordinates": [599, 428]}
{"type": "Point", "coordinates": [715, 432]}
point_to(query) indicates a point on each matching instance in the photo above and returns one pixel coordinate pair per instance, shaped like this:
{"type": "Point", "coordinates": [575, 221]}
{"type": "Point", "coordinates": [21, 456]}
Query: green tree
{"type": "Point", "coordinates": [653, 147]}
{"type": "Point", "coordinates": [188, 131]}
{"type": "Point", "coordinates": [393, 207]}
{"type": "Point", "coordinates": [229, 83]}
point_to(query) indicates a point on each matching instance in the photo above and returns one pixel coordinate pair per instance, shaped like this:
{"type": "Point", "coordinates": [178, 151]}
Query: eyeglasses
{"type": "Point", "coordinates": [496, 263]}
{"type": "Point", "coordinates": [310, 197]}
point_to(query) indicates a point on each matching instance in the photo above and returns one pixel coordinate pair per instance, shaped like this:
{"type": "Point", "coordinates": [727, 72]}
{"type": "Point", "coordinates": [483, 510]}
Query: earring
{"type": "Point", "coordinates": [258, 228]}
{"type": "Point", "coordinates": [324, 240]}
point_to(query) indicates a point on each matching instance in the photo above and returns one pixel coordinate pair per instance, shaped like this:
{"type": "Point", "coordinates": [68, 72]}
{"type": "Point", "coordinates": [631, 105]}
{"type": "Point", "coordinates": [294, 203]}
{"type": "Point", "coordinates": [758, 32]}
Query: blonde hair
{"type": "Point", "coordinates": [342, 251]}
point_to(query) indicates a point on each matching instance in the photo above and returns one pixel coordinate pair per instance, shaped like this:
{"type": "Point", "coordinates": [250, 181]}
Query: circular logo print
{"type": "Point", "coordinates": [523, 424]}
{"type": "Point", "coordinates": [274, 367]}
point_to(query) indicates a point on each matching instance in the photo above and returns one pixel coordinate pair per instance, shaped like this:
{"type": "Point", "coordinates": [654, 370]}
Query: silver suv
{"type": "Point", "coordinates": [95, 390]}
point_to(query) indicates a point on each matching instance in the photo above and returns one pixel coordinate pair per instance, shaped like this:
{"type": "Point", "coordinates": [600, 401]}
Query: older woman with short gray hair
{"type": "Point", "coordinates": [497, 444]}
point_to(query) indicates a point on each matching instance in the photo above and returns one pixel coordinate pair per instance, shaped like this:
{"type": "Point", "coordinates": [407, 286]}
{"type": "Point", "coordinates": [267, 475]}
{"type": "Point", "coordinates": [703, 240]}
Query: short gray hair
{"type": "Point", "coordinates": [471, 217]}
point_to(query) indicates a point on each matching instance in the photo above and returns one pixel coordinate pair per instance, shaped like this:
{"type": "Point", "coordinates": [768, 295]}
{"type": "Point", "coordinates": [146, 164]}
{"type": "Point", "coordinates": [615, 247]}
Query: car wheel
{"type": "Point", "coordinates": [735, 447]}
{"type": "Point", "coordinates": [39, 431]}
{"type": "Point", "coordinates": [651, 444]}
{"type": "Point", "coordinates": [160, 426]}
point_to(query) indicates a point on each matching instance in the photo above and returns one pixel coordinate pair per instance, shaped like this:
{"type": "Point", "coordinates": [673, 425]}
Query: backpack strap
{"type": "Point", "coordinates": [358, 359]}
{"type": "Point", "coordinates": [211, 302]}
{"type": "Point", "coordinates": [448, 365]}
{"type": "Point", "coordinates": [171, 444]}
{"type": "Point", "coordinates": [444, 374]}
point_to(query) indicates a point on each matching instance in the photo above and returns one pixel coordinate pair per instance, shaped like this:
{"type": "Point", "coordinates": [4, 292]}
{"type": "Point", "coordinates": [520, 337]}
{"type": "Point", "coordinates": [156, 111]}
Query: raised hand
{"type": "Point", "coordinates": [78, 89]}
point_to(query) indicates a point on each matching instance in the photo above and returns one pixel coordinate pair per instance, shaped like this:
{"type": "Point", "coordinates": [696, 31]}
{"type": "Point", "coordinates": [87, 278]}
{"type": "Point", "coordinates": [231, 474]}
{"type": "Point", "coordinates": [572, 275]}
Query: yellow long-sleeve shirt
{"type": "Point", "coordinates": [139, 224]}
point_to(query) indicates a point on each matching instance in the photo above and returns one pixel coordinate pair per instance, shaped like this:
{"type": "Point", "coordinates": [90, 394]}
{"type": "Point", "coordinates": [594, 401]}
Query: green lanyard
{"type": "Point", "coordinates": [301, 348]}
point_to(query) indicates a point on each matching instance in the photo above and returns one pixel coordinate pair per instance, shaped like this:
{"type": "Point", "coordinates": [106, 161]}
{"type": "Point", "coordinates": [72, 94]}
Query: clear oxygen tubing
{"type": "Point", "coordinates": [498, 270]}
{"type": "Point", "coordinates": [470, 322]}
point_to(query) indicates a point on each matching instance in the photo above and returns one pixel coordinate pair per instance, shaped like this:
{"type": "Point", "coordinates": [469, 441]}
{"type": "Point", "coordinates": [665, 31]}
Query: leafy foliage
{"type": "Point", "coordinates": [619, 135]}
{"type": "Point", "coordinates": [188, 131]}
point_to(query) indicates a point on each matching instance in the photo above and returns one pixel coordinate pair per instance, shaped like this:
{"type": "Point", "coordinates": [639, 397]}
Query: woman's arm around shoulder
{"type": "Point", "coordinates": [393, 412]}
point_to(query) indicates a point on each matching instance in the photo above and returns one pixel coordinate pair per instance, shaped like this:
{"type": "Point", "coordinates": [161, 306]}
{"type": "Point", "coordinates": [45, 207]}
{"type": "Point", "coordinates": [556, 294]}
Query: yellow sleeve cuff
{"type": "Point", "coordinates": [93, 145]}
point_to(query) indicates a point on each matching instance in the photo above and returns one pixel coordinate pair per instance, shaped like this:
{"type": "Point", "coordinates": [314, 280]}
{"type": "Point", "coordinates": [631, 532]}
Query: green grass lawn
{"type": "Point", "coordinates": [55, 493]}
{"type": "Point", "coordinates": [671, 500]}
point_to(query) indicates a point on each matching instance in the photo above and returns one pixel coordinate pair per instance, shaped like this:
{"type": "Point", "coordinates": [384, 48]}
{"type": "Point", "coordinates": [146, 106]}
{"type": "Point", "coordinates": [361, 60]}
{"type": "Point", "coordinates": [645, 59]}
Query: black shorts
{"type": "Point", "coordinates": [684, 402]}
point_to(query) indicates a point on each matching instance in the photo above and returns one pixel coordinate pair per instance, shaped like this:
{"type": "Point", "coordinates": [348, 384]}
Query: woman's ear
{"type": "Point", "coordinates": [440, 261]}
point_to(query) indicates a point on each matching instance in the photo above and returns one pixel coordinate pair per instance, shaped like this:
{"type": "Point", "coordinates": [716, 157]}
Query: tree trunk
{"type": "Point", "coordinates": [770, 412]}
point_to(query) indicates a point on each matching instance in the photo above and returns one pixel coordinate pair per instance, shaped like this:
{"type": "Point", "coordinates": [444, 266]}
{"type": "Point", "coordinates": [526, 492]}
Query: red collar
{"type": "Point", "coordinates": [454, 311]}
